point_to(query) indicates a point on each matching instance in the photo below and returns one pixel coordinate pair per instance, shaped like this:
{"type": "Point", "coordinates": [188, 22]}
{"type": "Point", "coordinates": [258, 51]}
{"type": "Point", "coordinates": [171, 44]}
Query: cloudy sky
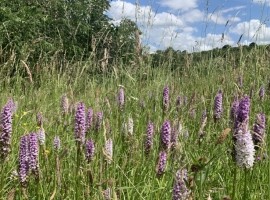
{"type": "Point", "coordinates": [195, 25]}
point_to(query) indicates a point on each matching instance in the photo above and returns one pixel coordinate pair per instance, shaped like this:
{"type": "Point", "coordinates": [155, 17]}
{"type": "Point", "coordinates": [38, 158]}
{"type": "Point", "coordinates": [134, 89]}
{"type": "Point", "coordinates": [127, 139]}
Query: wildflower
{"type": "Point", "coordinates": [33, 153]}
{"type": "Point", "coordinates": [203, 124]}
{"type": "Point", "coordinates": [6, 129]}
{"type": "Point", "coordinates": [89, 150]}
{"type": "Point", "coordinates": [149, 137]}
{"type": "Point", "coordinates": [13, 105]}
{"type": "Point", "coordinates": [56, 143]}
{"type": "Point", "coordinates": [175, 132]}
{"type": "Point", "coordinates": [259, 129]}
{"type": "Point", "coordinates": [109, 150]}
{"type": "Point", "coordinates": [99, 118]}
{"type": "Point", "coordinates": [89, 119]}
{"type": "Point", "coordinates": [41, 136]}
{"type": "Point", "coordinates": [130, 126]}
{"type": "Point", "coordinates": [80, 122]}
{"type": "Point", "coordinates": [107, 194]}
{"type": "Point", "coordinates": [39, 119]}
{"type": "Point", "coordinates": [244, 149]}
{"type": "Point", "coordinates": [161, 165]}
{"type": "Point", "coordinates": [64, 104]}
{"type": "Point", "coordinates": [24, 159]}
{"type": "Point", "coordinates": [243, 111]}
{"type": "Point", "coordinates": [242, 117]}
{"type": "Point", "coordinates": [166, 99]}
{"type": "Point", "coordinates": [261, 92]}
{"type": "Point", "coordinates": [218, 110]}
{"type": "Point", "coordinates": [165, 135]}
{"type": "Point", "coordinates": [121, 98]}
{"type": "Point", "coordinates": [204, 117]}
{"type": "Point", "coordinates": [180, 190]}
{"type": "Point", "coordinates": [174, 137]}
{"type": "Point", "coordinates": [234, 108]}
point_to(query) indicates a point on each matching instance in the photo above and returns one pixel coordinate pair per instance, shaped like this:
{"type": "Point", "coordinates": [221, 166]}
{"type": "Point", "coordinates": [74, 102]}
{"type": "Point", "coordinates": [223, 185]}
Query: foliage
{"type": "Point", "coordinates": [74, 30]}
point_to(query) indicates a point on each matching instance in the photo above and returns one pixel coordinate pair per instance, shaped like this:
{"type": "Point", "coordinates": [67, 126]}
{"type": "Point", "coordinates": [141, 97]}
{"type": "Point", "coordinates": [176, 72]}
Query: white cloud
{"type": "Point", "coordinates": [143, 15]}
{"type": "Point", "coordinates": [161, 30]}
{"type": "Point", "coordinates": [193, 15]}
{"type": "Point", "coordinates": [179, 4]}
{"type": "Point", "coordinates": [253, 31]}
{"type": "Point", "coordinates": [121, 9]}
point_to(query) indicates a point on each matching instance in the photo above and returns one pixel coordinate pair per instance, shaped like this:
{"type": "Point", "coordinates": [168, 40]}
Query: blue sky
{"type": "Point", "coordinates": [196, 25]}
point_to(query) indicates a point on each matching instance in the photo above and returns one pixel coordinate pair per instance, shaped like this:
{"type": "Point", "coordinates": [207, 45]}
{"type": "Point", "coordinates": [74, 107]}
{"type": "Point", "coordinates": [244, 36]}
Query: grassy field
{"type": "Point", "coordinates": [131, 173]}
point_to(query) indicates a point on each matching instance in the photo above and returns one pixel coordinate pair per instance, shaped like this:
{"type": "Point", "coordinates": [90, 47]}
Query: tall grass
{"type": "Point", "coordinates": [131, 174]}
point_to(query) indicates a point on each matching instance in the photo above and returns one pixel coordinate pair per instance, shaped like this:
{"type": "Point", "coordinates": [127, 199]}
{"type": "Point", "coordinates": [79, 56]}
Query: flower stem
{"type": "Point", "coordinates": [245, 185]}
{"type": "Point", "coordinates": [78, 163]}
{"type": "Point", "coordinates": [234, 182]}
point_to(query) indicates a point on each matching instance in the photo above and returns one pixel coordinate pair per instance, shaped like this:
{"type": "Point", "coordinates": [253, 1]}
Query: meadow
{"type": "Point", "coordinates": [58, 102]}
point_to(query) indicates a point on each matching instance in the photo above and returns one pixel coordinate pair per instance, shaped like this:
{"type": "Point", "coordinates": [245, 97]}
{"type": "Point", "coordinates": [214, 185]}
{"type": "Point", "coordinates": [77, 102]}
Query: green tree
{"type": "Point", "coordinates": [63, 26]}
{"type": "Point", "coordinates": [125, 40]}
{"type": "Point", "coordinates": [44, 30]}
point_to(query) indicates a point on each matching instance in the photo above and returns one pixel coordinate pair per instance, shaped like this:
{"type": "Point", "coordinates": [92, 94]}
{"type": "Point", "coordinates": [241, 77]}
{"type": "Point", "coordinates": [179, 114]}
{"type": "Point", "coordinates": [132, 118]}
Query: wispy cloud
{"type": "Point", "coordinates": [224, 16]}
{"type": "Point", "coordinates": [179, 4]}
